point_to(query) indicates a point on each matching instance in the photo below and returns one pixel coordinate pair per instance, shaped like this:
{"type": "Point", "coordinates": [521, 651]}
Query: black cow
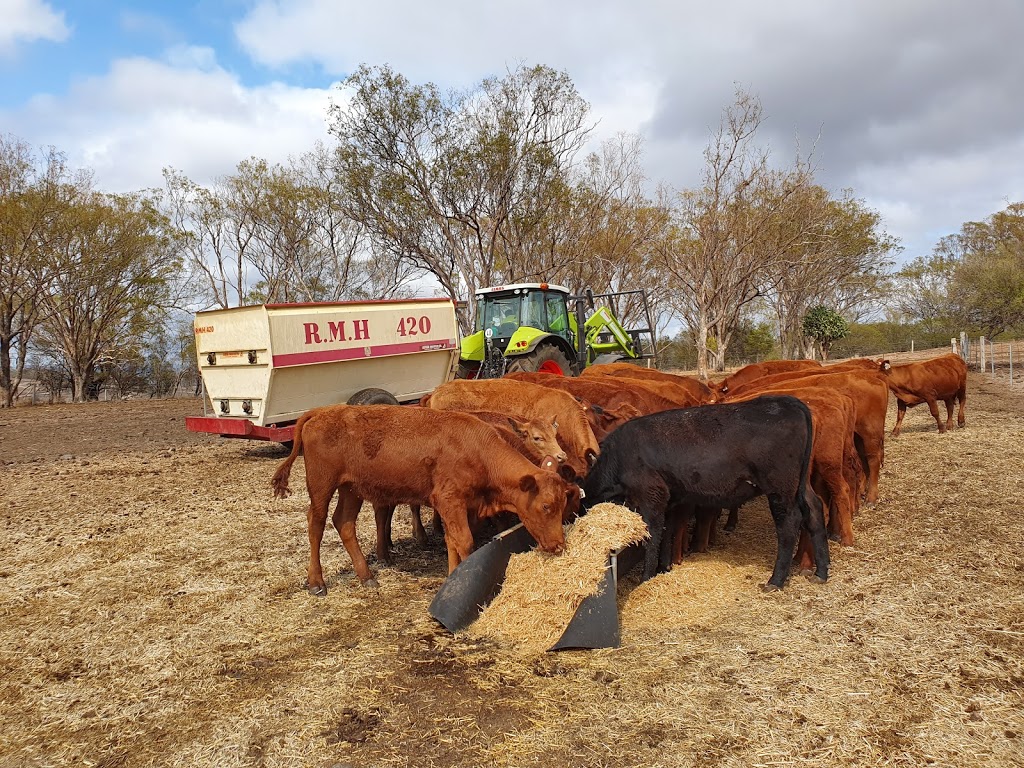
{"type": "Point", "coordinates": [715, 456]}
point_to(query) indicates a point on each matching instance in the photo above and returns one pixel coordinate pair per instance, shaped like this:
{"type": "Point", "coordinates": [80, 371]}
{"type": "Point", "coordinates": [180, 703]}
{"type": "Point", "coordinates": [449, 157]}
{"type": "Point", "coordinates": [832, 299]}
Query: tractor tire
{"type": "Point", "coordinates": [372, 396]}
{"type": "Point", "coordinates": [546, 358]}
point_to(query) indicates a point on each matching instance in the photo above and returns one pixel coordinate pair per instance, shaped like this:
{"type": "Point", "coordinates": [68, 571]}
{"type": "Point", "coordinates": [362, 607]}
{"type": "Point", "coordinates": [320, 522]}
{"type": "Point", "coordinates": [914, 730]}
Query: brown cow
{"type": "Point", "coordinates": [941, 378]}
{"type": "Point", "coordinates": [697, 391]}
{"type": "Point", "coordinates": [612, 402]}
{"type": "Point", "coordinates": [389, 456]}
{"type": "Point", "coordinates": [523, 400]}
{"type": "Point", "coordinates": [759, 370]}
{"type": "Point", "coordinates": [533, 438]}
{"type": "Point", "coordinates": [870, 396]}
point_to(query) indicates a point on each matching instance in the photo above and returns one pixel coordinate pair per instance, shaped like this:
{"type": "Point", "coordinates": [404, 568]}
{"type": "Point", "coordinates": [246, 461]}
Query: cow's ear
{"type": "Point", "coordinates": [518, 428]}
{"type": "Point", "coordinates": [885, 366]}
{"type": "Point", "coordinates": [528, 484]}
{"type": "Point", "coordinates": [591, 457]}
{"type": "Point", "coordinates": [554, 423]}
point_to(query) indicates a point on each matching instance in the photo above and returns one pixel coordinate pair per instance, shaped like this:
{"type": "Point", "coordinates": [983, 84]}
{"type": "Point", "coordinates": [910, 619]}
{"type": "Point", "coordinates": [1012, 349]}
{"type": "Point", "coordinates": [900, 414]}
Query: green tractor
{"type": "Point", "coordinates": [535, 327]}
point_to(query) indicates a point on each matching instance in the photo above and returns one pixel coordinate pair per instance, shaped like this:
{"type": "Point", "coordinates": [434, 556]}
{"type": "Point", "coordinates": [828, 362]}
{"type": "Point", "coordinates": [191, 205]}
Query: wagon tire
{"type": "Point", "coordinates": [546, 358]}
{"type": "Point", "coordinates": [467, 370]}
{"type": "Point", "coordinates": [372, 396]}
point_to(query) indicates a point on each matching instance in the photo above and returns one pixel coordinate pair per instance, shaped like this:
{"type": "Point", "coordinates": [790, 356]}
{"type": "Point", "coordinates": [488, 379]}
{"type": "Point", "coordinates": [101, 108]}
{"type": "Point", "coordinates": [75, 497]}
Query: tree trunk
{"type": "Point", "coordinates": [702, 346]}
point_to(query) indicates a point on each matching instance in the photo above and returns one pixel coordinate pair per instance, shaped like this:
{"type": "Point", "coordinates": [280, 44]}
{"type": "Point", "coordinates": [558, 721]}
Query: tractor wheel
{"type": "Point", "coordinates": [546, 358]}
{"type": "Point", "coordinates": [372, 396]}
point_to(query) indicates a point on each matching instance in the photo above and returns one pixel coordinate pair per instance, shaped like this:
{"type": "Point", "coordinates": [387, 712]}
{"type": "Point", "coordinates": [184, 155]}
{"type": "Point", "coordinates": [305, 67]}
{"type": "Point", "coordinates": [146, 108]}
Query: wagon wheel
{"type": "Point", "coordinates": [372, 396]}
{"type": "Point", "coordinates": [546, 358]}
{"type": "Point", "coordinates": [467, 370]}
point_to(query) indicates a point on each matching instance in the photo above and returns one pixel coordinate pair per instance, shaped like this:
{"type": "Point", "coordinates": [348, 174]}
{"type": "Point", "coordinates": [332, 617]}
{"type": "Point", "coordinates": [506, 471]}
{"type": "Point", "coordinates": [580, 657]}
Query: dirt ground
{"type": "Point", "coordinates": [153, 615]}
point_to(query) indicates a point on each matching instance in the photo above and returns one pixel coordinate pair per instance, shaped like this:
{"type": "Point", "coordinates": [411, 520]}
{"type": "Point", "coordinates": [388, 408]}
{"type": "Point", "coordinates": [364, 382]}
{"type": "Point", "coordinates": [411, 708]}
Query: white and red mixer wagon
{"type": "Point", "coordinates": [264, 366]}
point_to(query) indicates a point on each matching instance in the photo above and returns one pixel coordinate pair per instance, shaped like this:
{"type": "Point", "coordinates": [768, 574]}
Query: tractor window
{"type": "Point", "coordinates": [558, 319]}
{"type": "Point", "coordinates": [501, 315]}
{"type": "Point", "coordinates": [533, 310]}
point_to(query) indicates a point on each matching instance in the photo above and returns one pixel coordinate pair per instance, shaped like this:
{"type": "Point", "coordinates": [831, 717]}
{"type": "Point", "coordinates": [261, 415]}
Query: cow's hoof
{"type": "Point", "coordinates": [806, 571]}
{"type": "Point", "coordinates": [371, 583]}
{"type": "Point", "coordinates": [815, 578]}
{"type": "Point", "coordinates": [320, 591]}
{"type": "Point", "coordinates": [769, 587]}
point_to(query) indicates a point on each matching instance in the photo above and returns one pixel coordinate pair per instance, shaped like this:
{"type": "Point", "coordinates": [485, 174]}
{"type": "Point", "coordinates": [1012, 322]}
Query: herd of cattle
{"type": "Point", "coordinates": [810, 438]}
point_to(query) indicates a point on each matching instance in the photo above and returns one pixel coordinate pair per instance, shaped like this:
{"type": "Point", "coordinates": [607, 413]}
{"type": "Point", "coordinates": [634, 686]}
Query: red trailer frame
{"type": "Point", "coordinates": [243, 428]}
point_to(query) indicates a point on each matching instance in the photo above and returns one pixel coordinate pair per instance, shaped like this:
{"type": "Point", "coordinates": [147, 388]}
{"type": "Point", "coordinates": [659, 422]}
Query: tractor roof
{"type": "Point", "coordinates": [522, 286]}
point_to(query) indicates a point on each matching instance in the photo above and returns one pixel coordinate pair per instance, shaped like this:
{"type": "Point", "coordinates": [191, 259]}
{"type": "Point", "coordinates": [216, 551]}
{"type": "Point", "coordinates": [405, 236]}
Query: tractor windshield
{"type": "Point", "coordinates": [504, 313]}
{"type": "Point", "coordinates": [501, 314]}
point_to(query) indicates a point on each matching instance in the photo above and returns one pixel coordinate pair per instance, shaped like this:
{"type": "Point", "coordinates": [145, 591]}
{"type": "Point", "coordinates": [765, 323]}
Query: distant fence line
{"type": "Point", "coordinates": [36, 393]}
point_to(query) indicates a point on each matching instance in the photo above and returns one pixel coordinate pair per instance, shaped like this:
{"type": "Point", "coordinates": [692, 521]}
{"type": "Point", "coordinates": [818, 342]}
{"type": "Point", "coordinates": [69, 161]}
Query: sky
{"type": "Point", "coordinates": [914, 105]}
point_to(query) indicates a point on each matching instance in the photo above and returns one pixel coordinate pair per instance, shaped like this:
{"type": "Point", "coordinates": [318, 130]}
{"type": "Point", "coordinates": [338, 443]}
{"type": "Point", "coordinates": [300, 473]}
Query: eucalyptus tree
{"type": "Point", "coordinates": [114, 265]}
{"type": "Point", "coordinates": [460, 184]}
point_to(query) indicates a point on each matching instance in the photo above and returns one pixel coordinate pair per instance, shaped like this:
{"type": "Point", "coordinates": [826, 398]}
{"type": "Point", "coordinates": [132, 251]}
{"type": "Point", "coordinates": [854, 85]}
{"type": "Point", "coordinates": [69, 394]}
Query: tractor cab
{"type": "Point", "coordinates": [537, 327]}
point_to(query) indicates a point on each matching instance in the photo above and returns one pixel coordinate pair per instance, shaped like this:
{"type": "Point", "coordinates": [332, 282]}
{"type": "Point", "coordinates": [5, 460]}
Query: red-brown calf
{"type": "Point", "coordinates": [388, 456]}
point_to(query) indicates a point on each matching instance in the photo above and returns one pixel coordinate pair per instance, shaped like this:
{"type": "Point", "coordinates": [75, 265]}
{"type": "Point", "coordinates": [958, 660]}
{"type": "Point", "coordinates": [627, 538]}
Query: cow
{"type": "Point", "coordinates": [870, 398]}
{"type": "Point", "coordinates": [835, 466]}
{"type": "Point", "coordinates": [523, 400]}
{"type": "Point", "coordinates": [388, 455]}
{"type": "Point", "coordinates": [941, 378]}
{"type": "Point", "coordinates": [533, 438]}
{"type": "Point", "coordinates": [715, 456]}
{"type": "Point", "coordinates": [613, 401]}
{"type": "Point", "coordinates": [759, 370]}
{"type": "Point", "coordinates": [697, 391]}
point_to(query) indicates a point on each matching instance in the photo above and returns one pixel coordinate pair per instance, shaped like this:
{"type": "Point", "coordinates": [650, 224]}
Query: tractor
{"type": "Point", "coordinates": [536, 327]}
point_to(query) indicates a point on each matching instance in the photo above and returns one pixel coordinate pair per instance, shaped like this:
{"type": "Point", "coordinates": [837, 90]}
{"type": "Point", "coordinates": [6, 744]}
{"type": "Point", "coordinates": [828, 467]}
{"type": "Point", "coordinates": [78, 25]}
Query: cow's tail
{"type": "Point", "coordinates": [805, 462]}
{"type": "Point", "coordinates": [284, 471]}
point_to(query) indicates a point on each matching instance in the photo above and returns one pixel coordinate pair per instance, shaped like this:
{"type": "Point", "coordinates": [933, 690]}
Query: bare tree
{"type": "Point", "coordinates": [730, 232]}
{"type": "Point", "coordinates": [841, 261]}
{"type": "Point", "coordinates": [458, 184]}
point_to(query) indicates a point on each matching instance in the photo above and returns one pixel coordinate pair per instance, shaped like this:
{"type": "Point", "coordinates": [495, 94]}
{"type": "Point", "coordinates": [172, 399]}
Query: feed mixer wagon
{"type": "Point", "coordinates": [264, 366]}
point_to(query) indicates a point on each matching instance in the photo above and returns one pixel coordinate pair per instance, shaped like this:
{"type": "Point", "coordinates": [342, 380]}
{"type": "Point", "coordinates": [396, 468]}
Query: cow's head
{"type": "Point", "coordinates": [540, 438]}
{"type": "Point", "coordinates": [543, 507]}
{"type": "Point", "coordinates": [573, 492]}
{"type": "Point", "coordinates": [604, 420]}
{"type": "Point", "coordinates": [884, 366]}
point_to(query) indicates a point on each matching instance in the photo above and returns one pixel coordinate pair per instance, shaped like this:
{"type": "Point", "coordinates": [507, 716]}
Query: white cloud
{"type": "Point", "coordinates": [144, 115]}
{"type": "Point", "coordinates": [25, 21]}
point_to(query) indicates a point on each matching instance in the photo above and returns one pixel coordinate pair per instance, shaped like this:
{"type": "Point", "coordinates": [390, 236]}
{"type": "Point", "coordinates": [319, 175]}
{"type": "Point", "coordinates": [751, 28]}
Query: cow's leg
{"type": "Point", "coordinates": [418, 531]}
{"type": "Point", "coordinates": [652, 506]}
{"type": "Point", "coordinates": [458, 535]}
{"type": "Point", "coordinates": [950, 405]}
{"type": "Point", "coordinates": [733, 519]}
{"type": "Point", "coordinates": [901, 411]}
{"type": "Point", "coordinates": [933, 408]}
{"type": "Point", "coordinates": [382, 516]}
{"type": "Point", "coordinates": [786, 514]}
{"type": "Point", "coordinates": [316, 522]}
{"type": "Point", "coordinates": [872, 451]}
{"type": "Point", "coordinates": [678, 523]}
{"type": "Point", "coordinates": [704, 524]}
{"type": "Point", "coordinates": [961, 395]}
{"type": "Point", "coordinates": [345, 521]}
{"type": "Point", "coordinates": [436, 524]}
{"type": "Point", "coordinates": [814, 523]}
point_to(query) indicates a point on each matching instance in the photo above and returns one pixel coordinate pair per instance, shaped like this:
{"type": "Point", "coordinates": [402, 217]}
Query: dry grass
{"type": "Point", "coordinates": [151, 614]}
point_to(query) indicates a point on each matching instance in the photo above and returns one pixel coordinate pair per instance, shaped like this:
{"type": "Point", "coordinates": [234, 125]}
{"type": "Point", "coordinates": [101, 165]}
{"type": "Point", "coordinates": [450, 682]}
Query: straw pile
{"type": "Point", "coordinates": [541, 593]}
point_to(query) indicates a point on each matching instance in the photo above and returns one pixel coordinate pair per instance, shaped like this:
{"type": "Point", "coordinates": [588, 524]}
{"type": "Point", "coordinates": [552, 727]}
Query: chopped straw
{"type": "Point", "coordinates": [541, 593]}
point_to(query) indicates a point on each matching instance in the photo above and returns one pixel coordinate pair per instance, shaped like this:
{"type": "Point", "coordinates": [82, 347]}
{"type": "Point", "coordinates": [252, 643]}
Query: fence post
{"type": "Point", "coordinates": [965, 351]}
{"type": "Point", "coordinates": [992, 357]}
{"type": "Point", "coordinates": [1011, 363]}
{"type": "Point", "coordinates": [981, 351]}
